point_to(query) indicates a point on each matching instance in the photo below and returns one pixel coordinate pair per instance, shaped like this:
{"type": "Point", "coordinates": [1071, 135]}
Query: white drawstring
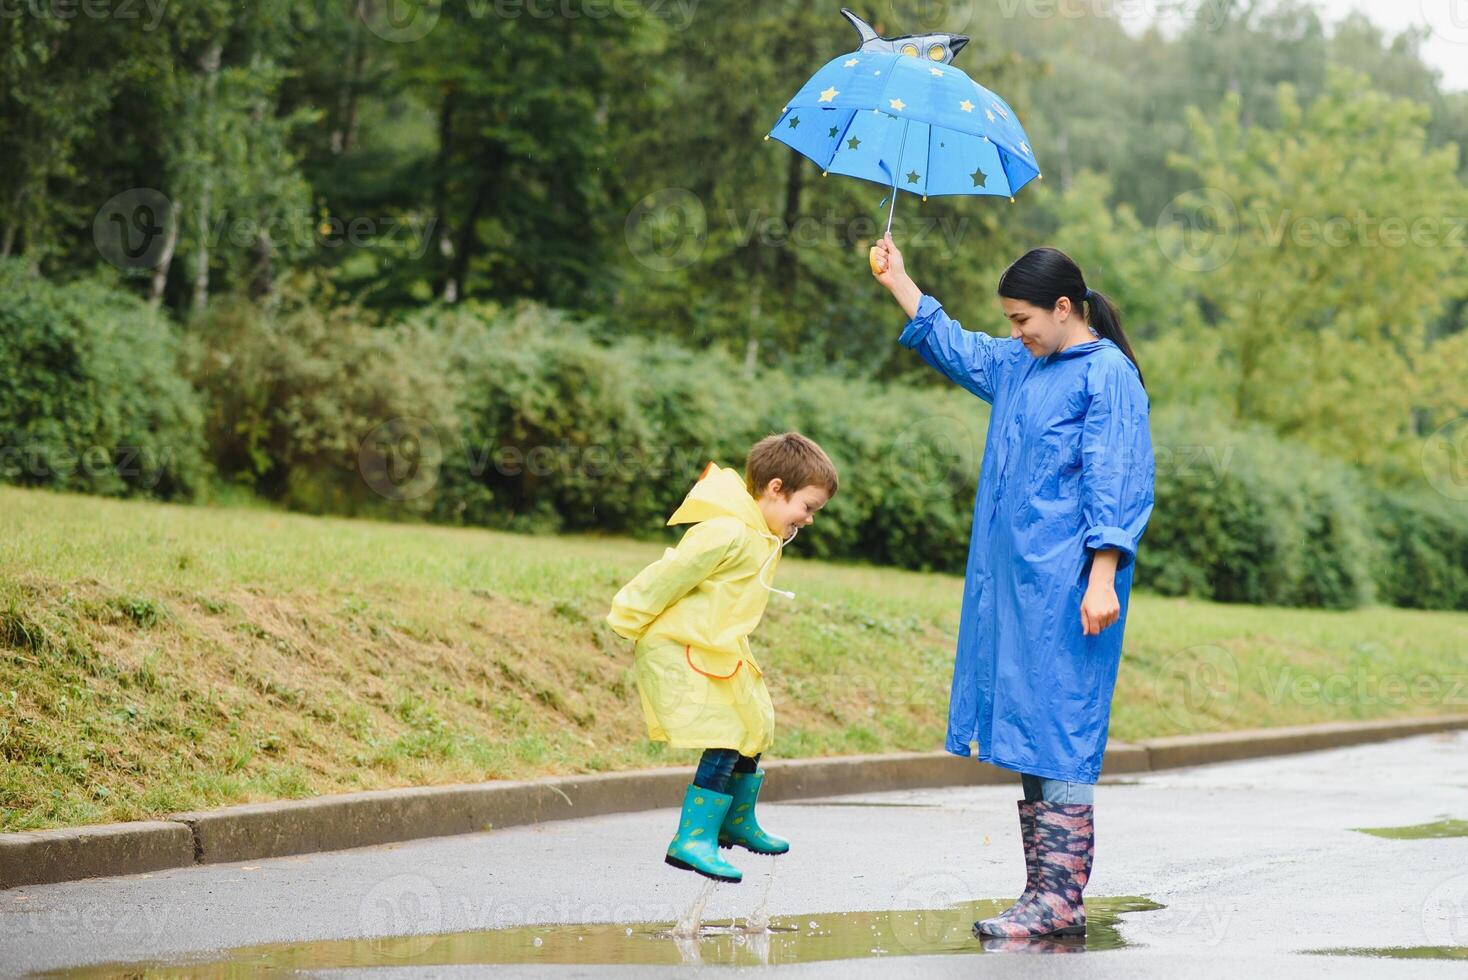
{"type": "Point", "coordinates": [780, 544]}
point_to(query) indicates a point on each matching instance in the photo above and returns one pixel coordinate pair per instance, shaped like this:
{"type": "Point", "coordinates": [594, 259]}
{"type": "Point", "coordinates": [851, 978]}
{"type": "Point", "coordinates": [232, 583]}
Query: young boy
{"type": "Point", "coordinates": [691, 613]}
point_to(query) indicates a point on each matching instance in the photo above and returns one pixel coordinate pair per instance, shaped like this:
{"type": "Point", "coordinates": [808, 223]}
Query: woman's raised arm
{"type": "Point", "coordinates": [970, 359]}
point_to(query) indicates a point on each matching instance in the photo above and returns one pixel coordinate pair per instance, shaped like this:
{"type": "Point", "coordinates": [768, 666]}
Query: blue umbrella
{"type": "Point", "coordinates": [909, 123]}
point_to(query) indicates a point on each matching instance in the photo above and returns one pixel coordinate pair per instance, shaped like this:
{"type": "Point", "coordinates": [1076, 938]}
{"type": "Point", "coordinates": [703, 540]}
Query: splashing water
{"type": "Point", "coordinates": [692, 921]}
{"type": "Point", "coordinates": [759, 919]}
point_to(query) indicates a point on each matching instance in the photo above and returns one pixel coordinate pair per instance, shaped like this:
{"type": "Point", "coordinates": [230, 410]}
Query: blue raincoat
{"type": "Point", "coordinates": [1067, 470]}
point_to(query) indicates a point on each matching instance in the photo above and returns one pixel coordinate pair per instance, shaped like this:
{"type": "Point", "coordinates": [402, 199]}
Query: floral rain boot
{"type": "Point", "coordinates": [740, 826]}
{"type": "Point", "coordinates": [1032, 860]}
{"type": "Point", "coordinates": [694, 847]}
{"type": "Point", "coordinates": [1065, 844]}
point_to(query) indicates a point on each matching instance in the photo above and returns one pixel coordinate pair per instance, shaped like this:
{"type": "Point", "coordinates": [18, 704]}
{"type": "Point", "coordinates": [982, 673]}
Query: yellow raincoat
{"type": "Point", "coordinates": [691, 613]}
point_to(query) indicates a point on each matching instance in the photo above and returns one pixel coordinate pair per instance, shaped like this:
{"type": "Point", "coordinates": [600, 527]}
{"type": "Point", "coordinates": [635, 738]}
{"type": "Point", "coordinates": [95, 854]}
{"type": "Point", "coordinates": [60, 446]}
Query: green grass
{"type": "Point", "coordinates": [156, 658]}
{"type": "Point", "coordinates": [1436, 830]}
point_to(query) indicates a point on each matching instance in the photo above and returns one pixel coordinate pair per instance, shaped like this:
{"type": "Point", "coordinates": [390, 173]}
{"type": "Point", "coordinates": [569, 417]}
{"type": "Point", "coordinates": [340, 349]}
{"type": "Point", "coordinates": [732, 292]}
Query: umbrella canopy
{"type": "Point", "coordinates": [919, 125]}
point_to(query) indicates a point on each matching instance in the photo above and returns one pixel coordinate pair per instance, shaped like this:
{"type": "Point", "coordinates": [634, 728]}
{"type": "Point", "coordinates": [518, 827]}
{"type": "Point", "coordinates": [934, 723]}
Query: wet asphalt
{"type": "Point", "coordinates": [1256, 864]}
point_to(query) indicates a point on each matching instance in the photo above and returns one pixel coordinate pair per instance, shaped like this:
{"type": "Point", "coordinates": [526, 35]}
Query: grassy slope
{"type": "Point", "coordinates": [155, 658]}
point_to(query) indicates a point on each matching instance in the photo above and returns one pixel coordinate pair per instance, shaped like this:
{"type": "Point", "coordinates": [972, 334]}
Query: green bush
{"type": "Point", "coordinates": [525, 420]}
{"type": "Point", "coordinates": [91, 395]}
{"type": "Point", "coordinates": [1423, 563]}
{"type": "Point", "coordinates": [321, 411]}
{"type": "Point", "coordinates": [561, 431]}
{"type": "Point", "coordinates": [1242, 517]}
{"type": "Point", "coordinates": [551, 432]}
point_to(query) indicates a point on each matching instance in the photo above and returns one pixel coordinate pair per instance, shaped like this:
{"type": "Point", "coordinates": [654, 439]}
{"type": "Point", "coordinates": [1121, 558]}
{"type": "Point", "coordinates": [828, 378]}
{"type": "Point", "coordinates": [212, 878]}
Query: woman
{"type": "Point", "coordinates": [1065, 492]}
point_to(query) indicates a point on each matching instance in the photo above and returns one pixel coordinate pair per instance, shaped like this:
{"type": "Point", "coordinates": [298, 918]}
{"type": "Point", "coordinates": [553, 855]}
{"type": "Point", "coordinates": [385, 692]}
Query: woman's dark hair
{"type": "Point", "coordinates": [1042, 275]}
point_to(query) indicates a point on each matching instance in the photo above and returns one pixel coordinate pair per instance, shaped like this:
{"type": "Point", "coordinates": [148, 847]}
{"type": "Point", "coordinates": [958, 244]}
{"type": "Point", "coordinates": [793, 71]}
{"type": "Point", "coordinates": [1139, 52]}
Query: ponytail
{"type": "Point", "coordinates": [1042, 275]}
{"type": "Point", "coordinates": [1105, 319]}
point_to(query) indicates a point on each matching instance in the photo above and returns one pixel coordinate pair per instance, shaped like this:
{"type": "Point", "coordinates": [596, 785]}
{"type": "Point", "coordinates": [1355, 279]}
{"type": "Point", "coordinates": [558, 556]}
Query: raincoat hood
{"type": "Point", "coordinates": [719, 492]}
{"type": "Point", "coordinates": [1081, 349]}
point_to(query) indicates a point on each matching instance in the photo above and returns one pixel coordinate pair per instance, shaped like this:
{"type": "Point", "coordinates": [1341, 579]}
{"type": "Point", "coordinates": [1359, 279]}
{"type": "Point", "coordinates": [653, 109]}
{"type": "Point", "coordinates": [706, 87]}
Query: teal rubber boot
{"type": "Point", "coordinates": [694, 847]}
{"type": "Point", "coordinates": [740, 825]}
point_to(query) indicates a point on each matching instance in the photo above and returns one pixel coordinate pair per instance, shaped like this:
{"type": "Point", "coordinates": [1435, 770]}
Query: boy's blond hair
{"type": "Point", "coordinates": [792, 459]}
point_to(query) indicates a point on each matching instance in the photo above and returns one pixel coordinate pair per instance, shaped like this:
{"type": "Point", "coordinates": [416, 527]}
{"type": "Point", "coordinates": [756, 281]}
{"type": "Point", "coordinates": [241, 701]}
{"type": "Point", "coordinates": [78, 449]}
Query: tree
{"type": "Point", "coordinates": [1331, 254]}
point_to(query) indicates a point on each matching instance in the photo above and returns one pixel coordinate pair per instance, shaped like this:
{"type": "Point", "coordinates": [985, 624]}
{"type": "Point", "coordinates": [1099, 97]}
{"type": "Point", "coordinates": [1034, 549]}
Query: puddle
{"type": "Point", "coordinates": [1398, 952]}
{"type": "Point", "coordinates": [873, 803]}
{"type": "Point", "coordinates": [786, 939]}
{"type": "Point", "coordinates": [1420, 831]}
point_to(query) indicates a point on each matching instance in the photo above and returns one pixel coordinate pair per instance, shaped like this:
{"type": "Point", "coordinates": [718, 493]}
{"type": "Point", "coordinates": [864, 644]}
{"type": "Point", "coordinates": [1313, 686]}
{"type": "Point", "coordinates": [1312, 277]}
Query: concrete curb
{"type": "Point", "coordinates": [336, 822]}
{"type": "Point", "coordinates": [1195, 750]}
{"type": "Point", "coordinates": [41, 856]}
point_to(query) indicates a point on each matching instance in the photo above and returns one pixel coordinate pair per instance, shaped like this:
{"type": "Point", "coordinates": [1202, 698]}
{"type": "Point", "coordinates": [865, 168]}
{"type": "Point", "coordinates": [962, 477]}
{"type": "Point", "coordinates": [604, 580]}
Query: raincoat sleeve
{"type": "Point", "coordinates": [972, 360]}
{"type": "Point", "coordinates": [1117, 465]}
{"type": "Point", "coordinates": [704, 546]}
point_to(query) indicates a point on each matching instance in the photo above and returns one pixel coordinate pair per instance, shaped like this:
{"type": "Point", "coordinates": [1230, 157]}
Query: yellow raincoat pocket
{"type": "Point", "coordinates": [712, 663]}
{"type": "Point", "coordinates": [703, 699]}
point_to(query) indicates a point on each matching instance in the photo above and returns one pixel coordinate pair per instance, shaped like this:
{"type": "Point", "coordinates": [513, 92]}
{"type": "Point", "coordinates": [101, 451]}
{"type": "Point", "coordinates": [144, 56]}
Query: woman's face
{"type": "Point", "coordinates": [1042, 331]}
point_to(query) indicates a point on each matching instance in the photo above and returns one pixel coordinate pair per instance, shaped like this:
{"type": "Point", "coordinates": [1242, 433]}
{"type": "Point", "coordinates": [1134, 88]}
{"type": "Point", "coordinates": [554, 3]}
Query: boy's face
{"type": "Point", "coordinates": [784, 514]}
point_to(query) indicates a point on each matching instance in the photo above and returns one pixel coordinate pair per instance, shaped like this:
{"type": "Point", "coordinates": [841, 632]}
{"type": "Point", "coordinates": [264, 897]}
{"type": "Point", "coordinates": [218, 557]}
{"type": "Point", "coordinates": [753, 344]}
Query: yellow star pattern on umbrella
{"type": "Point", "coordinates": [829, 94]}
{"type": "Point", "coordinates": [966, 106]}
{"type": "Point", "coordinates": [897, 105]}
